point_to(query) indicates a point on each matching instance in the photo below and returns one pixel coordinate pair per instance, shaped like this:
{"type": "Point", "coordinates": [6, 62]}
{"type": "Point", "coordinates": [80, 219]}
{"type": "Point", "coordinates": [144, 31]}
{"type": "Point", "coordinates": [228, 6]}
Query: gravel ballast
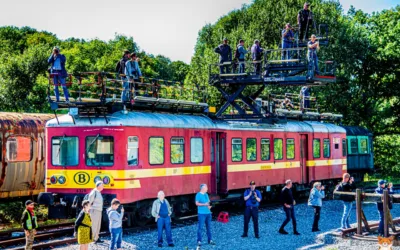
{"type": "Point", "coordinates": [227, 236]}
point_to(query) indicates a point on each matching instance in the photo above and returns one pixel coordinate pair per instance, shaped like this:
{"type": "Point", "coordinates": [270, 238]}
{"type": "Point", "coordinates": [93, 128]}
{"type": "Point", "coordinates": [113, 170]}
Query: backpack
{"type": "Point", "coordinates": [237, 53]}
{"type": "Point", "coordinates": [118, 67]}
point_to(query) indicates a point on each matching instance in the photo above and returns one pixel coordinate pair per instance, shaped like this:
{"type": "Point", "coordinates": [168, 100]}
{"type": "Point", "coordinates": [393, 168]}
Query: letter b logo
{"type": "Point", "coordinates": [81, 178]}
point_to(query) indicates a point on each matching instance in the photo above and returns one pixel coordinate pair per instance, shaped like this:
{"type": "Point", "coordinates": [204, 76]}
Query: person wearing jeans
{"type": "Point", "coordinates": [347, 185]}
{"type": "Point", "coordinates": [58, 72]}
{"type": "Point", "coordinates": [115, 219]}
{"type": "Point", "coordinates": [204, 214]}
{"type": "Point", "coordinates": [379, 190]}
{"type": "Point", "coordinates": [252, 197]}
{"type": "Point", "coordinates": [313, 47]}
{"type": "Point", "coordinates": [315, 200]}
{"type": "Point", "coordinates": [162, 211]}
{"type": "Point", "coordinates": [288, 206]}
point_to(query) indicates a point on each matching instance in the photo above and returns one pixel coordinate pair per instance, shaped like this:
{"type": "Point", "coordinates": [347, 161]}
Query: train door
{"type": "Point", "coordinates": [221, 163]}
{"type": "Point", "coordinates": [303, 157]}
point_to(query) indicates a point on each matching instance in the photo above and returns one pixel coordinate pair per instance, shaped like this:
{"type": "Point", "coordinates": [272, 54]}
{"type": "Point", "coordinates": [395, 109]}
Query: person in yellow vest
{"type": "Point", "coordinates": [29, 223]}
{"type": "Point", "coordinates": [83, 227]}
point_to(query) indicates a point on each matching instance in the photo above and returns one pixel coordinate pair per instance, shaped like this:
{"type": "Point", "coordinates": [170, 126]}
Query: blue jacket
{"type": "Point", "coordinates": [242, 52]}
{"type": "Point", "coordinates": [132, 67]}
{"type": "Point", "coordinates": [225, 53]}
{"type": "Point", "coordinates": [316, 197]}
{"type": "Point", "coordinates": [379, 205]}
{"type": "Point", "coordinates": [287, 38]}
{"type": "Point", "coordinates": [63, 59]}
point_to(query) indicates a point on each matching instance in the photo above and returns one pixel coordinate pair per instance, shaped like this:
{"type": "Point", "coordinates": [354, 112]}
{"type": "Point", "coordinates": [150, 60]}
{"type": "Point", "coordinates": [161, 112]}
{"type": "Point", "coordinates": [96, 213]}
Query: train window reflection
{"type": "Point", "coordinates": [265, 149]}
{"type": "Point", "coordinates": [317, 148]}
{"type": "Point", "coordinates": [327, 148]}
{"type": "Point", "coordinates": [19, 148]}
{"type": "Point", "coordinates": [278, 149]}
{"type": "Point", "coordinates": [237, 150]}
{"type": "Point", "coordinates": [133, 150]}
{"type": "Point", "coordinates": [344, 147]}
{"type": "Point", "coordinates": [156, 150]}
{"type": "Point", "coordinates": [99, 150]}
{"type": "Point", "coordinates": [363, 149]}
{"type": "Point", "coordinates": [251, 149]}
{"type": "Point", "coordinates": [64, 151]}
{"type": "Point", "coordinates": [177, 150]}
{"type": "Point", "coordinates": [196, 150]}
{"type": "Point", "coordinates": [289, 149]}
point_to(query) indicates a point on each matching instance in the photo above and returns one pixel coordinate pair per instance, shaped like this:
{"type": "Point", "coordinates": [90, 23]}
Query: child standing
{"type": "Point", "coordinates": [83, 227]}
{"type": "Point", "coordinates": [115, 219]}
{"type": "Point", "coordinates": [29, 223]}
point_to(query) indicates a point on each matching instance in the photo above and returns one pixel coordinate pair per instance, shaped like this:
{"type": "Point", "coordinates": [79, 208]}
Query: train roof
{"type": "Point", "coordinates": [162, 120]}
{"type": "Point", "coordinates": [356, 130]}
{"type": "Point", "coordinates": [13, 121]}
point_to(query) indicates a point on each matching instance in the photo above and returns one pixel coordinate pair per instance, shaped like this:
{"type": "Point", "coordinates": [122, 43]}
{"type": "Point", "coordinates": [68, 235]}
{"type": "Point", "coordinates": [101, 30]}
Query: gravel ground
{"type": "Point", "coordinates": [227, 236]}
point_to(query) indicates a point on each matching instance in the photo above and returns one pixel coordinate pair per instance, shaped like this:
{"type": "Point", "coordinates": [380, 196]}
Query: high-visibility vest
{"type": "Point", "coordinates": [29, 220]}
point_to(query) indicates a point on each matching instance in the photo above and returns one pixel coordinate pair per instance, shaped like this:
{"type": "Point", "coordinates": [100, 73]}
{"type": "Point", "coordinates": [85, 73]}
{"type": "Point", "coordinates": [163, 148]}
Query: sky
{"type": "Point", "coordinates": [167, 27]}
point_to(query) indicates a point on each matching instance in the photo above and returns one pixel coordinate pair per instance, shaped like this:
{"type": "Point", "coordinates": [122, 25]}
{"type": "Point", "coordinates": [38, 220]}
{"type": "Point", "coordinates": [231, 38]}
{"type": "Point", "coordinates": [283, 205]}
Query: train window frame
{"type": "Point", "coordinates": [350, 147]}
{"type": "Point", "coordinates": [95, 138]}
{"type": "Point", "coordinates": [319, 151]}
{"type": "Point", "coordinates": [269, 148]}
{"type": "Point", "coordinates": [294, 149]}
{"type": "Point", "coordinates": [77, 151]}
{"type": "Point", "coordinates": [9, 145]}
{"type": "Point", "coordinates": [223, 150]}
{"type": "Point", "coordinates": [183, 148]}
{"type": "Point", "coordinates": [344, 147]}
{"type": "Point", "coordinates": [255, 147]}
{"type": "Point", "coordinates": [40, 149]}
{"type": "Point", "coordinates": [241, 149]}
{"type": "Point", "coordinates": [359, 140]}
{"type": "Point", "coordinates": [130, 148]}
{"type": "Point", "coordinates": [275, 140]}
{"type": "Point", "coordinates": [329, 147]}
{"type": "Point", "coordinates": [202, 149]}
{"type": "Point", "coordinates": [212, 150]}
{"type": "Point", "coordinates": [163, 150]}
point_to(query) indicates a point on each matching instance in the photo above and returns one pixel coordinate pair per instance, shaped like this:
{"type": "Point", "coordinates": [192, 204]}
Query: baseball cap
{"type": "Point", "coordinates": [252, 183]}
{"type": "Point", "coordinates": [381, 182]}
{"type": "Point", "coordinates": [28, 202]}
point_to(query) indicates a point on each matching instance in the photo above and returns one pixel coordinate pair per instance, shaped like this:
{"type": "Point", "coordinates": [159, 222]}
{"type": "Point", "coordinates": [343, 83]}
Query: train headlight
{"type": "Point", "coordinates": [61, 180]}
{"type": "Point", "coordinates": [53, 180]}
{"type": "Point", "coordinates": [97, 178]}
{"type": "Point", "coordinates": [106, 180]}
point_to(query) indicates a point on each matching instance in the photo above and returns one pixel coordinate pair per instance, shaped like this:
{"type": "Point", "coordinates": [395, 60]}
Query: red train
{"type": "Point", "coordinates": [136, 154]}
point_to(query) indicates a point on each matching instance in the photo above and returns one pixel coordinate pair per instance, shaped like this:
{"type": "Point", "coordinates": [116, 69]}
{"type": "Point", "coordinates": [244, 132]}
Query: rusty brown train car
{"type": "Point", "coordinates": [22, 169]}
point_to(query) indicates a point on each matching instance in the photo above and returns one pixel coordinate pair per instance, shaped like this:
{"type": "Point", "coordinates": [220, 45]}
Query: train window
{"type": "Point", "coordinates": [265, 150]}
{"type": "Point", "coordinates": [363, 145]}
{"type": "Point", "coordinates": [196, 150]}
{"type": "Point", "coordinates": [353, 145]}
{"type": "Point", "coordinates": [251, 149]}
{"type": "Point", "coordinates": [40, 148]}
{"type": "Point", "coordinates": [223, 150]}
{"type": "Point", "coordinates": [132, 153]}
{"type": "Point", "coordinates": [317, 148]}
{"type": "Point", "coordinates": [278, 149]}
{"type": "Point", "coordinates": [289, 149]}
{"type": "Point", "coordinates": [327, 148]}
{"type": "Point", "coordinates": [177, 150]}
{"type": "Point", "coordinates": [237, 154]}
{"type": "Point", "coordinates": [156, 150]}
{"type": "Point", "coordinates": [19, 148]}
{"type": "Point", "coordinates": [99, 150]}
{"type": "Point", "coordinates": [344, 147]}
{"type": "Point", "coordinates": [64, 151]}
{"type": "Point", "coordinates": [212, 150]}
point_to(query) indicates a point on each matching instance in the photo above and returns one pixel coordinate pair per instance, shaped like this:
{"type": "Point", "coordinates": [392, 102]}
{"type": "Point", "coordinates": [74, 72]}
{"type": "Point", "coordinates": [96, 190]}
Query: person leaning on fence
{"type": "Point", "coordinates": [204, 214]}
{"type": "Point", "coordinates": [305, 21]}
{"type": "Point", "coordinates": [287, 41]}
{"type": "Point", "coordinates": [240, 53]}
{"type": "Point", "coordinates": [379, 190]}
{"type": "Point", "coordinates": [256, 55]}
{"type": "Point", "coordinates": [120, 69]}
{"type": "Point", "coordinates": [287, 104]}
{"type": "Point", "coordinates": [115, 226]}
{"type": "Point", "coordinates": [252, 197]}
{"type": "Point", "coordinates": [225, 56]}
{"type": "Point", "coordinates": [162, 211]}
{"type": "Point", "coordinates": [83, 227]}
{"type": "Point", "coordinates": [132, 72]}
{"type": "Point", "coordinates": [96, 209]}
{"type": "Point", "coordinates": [313, 46]}
{"type": "Point", "coordinates": [315, 200]}
{"type": "Point", "coordinates": [347, 185]}
{"type": "Point", "coordinates": [288, 203]}
{"type": "Point", "coordinates": [57, 69]}
{"type": "Point", "coordinates": [29, 223]}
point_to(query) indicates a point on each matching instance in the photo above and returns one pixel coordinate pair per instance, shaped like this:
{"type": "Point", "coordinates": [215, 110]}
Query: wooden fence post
{"type": "Point", "coordinates": [359, 212]}
{"type": "Point", "coordinates": [385, 212]}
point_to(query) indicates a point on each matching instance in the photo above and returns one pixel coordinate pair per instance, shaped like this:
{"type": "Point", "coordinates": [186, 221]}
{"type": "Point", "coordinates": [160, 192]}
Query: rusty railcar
{"type": "Point", "coordinates": [22, 169]}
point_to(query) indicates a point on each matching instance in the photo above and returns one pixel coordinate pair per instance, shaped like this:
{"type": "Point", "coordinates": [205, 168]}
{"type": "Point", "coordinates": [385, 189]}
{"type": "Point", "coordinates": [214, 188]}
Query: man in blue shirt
{"type": "Point", "coordinates": [204, 214]}
{"type": "Point", "coordinates": [252, 197]}
{"type": "Point", "coordinates": [133, 73]}
{"type": "Point", "coordinates": [58, 72]}
{"type": "Point", "coordinates": [313, 47]}
{"type": "Point", "coordinates": [287, 41]}
{"type": "Point", "coordinates": [242, 53]}
{"type": "Point", "coordinates": [256, 54]}
{"type": "Point", "coordinates": [225, 56]}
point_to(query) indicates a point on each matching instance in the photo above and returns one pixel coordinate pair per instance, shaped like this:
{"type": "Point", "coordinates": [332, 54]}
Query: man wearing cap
{"type": "Point", "coordinates": [252, 197]}
{"type": "Point", "coordinates": [288, 203]}
{"type": "Point", "coordinates": [225, 56]}
{"type": "Point", "coordinates": [379, 190]}
{"type": "Point", "coordinates": [347, 185]}
{"type": "Point", "coordinates": [304, 20]}
{"type": "Point", "coordinates": [256, 54]}
{"type": "Point", "coordinates": [204, 214]}
{"type": "Point", "coordinates": [59, 72]}
{"type": "Point", "coordinates": [287, 41]}
{"type": "Point", "coordinates": [29, 223]}
{"type": "Point", "coordinates": [96, 210]}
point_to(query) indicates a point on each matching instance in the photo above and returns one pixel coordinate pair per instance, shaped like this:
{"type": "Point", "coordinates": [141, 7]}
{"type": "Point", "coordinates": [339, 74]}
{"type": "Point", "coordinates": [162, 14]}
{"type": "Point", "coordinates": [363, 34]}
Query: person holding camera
{"type": "Point", "coordinates": [379, 190]}
{"type": "Point", "coordinates": [315, 200]}
{"type": "Point", "coordinates": [161, 211]}
{"type": "Point", "coordinates": [59, 73]}
{"type": "Point", "coordinates": [252, 197]}
{"type": "Point", "coordinates": [204, 214]}
{"type": "Point", "coordinates": [347, 185]}
{"type": "Point", "coordinates": [313, 47]}
{"type": "Point", "coordinates": [132, 72]}
{"type": "Point", "coordinates": [115, 226]}
{"type": "Point", "coordinates": [288, 206]}
{"type": "Point", "coordinates": [287, 41]}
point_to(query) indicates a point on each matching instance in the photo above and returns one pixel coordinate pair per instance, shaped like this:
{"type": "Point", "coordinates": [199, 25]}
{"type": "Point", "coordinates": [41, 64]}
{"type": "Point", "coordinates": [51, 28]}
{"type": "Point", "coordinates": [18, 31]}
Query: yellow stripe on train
{"type": "Point", "coordinates": [327, 162]}
{"type": "Point", "coordinates": [263, 166]}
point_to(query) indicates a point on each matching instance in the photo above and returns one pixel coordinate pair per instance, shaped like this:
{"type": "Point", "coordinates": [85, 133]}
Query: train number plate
{"type": "Point", "coordinates": [265, 167]}
{"type": "Point", "coordinates": [81, 191]}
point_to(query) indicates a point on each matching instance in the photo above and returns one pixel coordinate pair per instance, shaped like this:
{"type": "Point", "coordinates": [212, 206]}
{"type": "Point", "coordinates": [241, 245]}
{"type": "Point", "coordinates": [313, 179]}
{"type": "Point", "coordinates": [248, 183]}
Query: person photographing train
{"type": "Point", "coordinates": [347, 185]}
{"type": "Point", "coordinates": [252, 197]}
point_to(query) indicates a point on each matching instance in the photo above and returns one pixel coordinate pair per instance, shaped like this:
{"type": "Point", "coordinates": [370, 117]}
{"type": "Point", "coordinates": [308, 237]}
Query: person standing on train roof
{"type": "Point", "coordinates": [252, 197]}
{"type": "Point", "coordinates": [315, 200]}
{"type": "Point", "coordinates": [347, 185]}
{"type": "Point", "coordinates": [288, 203]}
{"type": "Point", "coordinates": [83, 227]}
{"type": "Point", "coordinates": [241, 51]}
{"type": "Point", "coordinates": [379, 205]}
{"type": "Point", "coordinates": [120, 68]}
{"type": "Point", "coordinates": [162, 211]}
{"type": "Point", "coordinates": [204, 214]}
{"type": "Point", "coordinates": [57, 69]}
{"type": "Point", "coordinates": [305, 21]}
{"type": "Point", "coordinates": [256, 55]}
{"type": "Point", "coordinates": [29, 223]}
{"type": "Point", "coordinates": [225, 55]}
{"type": "Point", "coordinates": [305, 97]}
{"type": "Point", "coordinates": [287, 41]}
{"type": "Point", "coordinates": [96, 210]}
{"type": "Point", "coordinates": [133, 73]}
